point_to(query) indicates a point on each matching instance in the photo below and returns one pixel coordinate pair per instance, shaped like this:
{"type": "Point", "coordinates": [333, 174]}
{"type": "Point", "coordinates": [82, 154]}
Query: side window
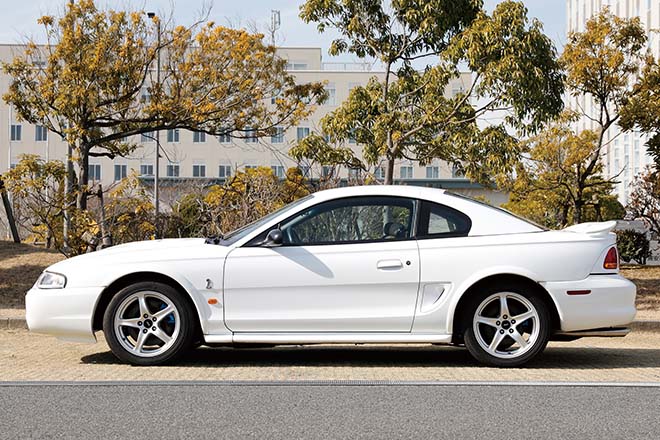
{"type": "Point", "coordinates": [351, 220]}
{"type": "Point", "coordinates": [442, 221]}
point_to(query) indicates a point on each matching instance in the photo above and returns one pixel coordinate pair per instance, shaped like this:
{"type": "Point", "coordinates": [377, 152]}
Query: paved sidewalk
{"type": "Point", "coordinates": [635, 358]}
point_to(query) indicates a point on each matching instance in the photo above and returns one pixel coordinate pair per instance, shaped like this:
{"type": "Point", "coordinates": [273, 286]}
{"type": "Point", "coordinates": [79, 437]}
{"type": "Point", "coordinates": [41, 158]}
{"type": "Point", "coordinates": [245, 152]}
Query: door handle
{"type": "Point", "coordinates": [389, 264]}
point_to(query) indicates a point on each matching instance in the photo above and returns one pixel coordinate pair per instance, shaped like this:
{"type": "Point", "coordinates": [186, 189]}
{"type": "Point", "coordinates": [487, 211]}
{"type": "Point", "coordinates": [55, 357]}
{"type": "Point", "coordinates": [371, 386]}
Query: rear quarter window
{"type": "Point", "coordinates": [436, 221]}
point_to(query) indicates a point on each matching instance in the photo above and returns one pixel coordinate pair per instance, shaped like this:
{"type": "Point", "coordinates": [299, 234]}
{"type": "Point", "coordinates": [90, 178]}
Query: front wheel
{"type": "Point", "coordinates": [148, 323]}
{"type": "Point", "coordinates": [507, 326]}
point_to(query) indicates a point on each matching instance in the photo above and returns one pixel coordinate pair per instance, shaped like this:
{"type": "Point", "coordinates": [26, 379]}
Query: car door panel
{"type": "Point", "coordinates": [323, 288]}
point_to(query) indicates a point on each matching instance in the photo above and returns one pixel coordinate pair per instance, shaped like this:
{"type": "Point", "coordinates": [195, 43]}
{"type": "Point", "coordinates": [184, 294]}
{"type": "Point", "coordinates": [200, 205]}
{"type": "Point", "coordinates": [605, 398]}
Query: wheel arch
{"type": "Point", "coordinates": [131, 278]}
{"type": "Point", "coordinates": [457, 326]}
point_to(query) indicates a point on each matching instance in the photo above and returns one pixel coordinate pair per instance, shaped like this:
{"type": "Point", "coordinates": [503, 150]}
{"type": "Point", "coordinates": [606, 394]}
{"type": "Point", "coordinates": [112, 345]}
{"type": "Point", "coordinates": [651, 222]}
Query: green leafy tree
{"type": "Point", "coordinates": [94, 83]}
{"type": "Point", "coordinates": [642, 110]}
{"type": "Point", "coordinates": [555, 185]}
{"type": "Point", "coordinates": [407, 114]}
{"type": "Point", "coordinates": [600, 63]}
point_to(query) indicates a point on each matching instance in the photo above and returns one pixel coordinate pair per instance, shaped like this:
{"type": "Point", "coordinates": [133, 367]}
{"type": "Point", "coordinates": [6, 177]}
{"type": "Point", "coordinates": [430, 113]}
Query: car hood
{"type": "Point", "coordinates": [143, 252]}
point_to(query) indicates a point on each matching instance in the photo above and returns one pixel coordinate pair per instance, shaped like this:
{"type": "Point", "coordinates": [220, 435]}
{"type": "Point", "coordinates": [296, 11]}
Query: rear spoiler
{"type": "Point", "coordinates": [597, 229]}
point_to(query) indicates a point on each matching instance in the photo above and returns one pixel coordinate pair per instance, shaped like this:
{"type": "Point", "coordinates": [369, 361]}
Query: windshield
{"type": "Point", "coordinates": [241, 232]}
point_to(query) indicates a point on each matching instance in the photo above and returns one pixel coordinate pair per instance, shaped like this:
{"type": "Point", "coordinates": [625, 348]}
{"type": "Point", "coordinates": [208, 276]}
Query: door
{"type": "Point", "coordinates": [347, 265]}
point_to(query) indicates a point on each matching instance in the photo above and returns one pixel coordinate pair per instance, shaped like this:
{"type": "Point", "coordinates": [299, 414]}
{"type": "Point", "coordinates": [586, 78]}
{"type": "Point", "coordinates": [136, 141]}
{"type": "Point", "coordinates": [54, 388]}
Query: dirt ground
{"type": "Point", "coordinates": [21, 264]}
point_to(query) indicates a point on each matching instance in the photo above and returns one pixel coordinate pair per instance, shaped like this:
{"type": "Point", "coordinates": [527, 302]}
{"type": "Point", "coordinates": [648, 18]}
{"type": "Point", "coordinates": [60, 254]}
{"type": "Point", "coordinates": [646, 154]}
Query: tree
{"type": "Point", "coordinates": [633, 245]}
{"type": "Point", "coordinates": [94, 84]}
{"type": "Point", "coordinates": [556, 184]}
{"type": "Point", "coordinates": [644, 202]}
{"type": "Point", "coordinates": [600, 64]}
{"type": "Point", "coordinates": [642, 110]}
{"type": "Point", "coordinates": [406, 115]}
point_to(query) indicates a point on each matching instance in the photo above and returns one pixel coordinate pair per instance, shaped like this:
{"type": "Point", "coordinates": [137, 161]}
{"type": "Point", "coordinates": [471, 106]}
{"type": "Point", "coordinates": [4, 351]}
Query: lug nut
{"type": "Point", "coordinates": [501, 331]}
{"type": "Point", "coordinates": [146, 316]}
{"type": "Point", "coordinates": [510, 330]}
{"type": "Point", "coordinates": [153, 328]}
{"type": "Point", "coordinates": [513, 321]}
{"type": "Point", "coordinates": [504, 317]}
{"type": "Point", "coordinates": [153, 319]}
{"type": "Point", "coordinates": [140, 323]}
{"type": "Point", "coordinates": [497, 323]}
{"type": "Point", "coordinates": [144, 331]}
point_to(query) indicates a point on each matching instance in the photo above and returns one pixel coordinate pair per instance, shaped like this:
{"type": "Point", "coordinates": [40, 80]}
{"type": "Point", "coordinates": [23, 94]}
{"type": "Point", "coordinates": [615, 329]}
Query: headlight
{"type": "Point", "coordinates": [51, 280]}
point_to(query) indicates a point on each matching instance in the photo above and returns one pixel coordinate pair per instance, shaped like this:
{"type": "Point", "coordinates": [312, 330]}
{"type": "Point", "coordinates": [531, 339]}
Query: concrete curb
{"type": "Point", "coordinates": [13, 323]}
{"type": "Point", "coordinates": [646, 325]}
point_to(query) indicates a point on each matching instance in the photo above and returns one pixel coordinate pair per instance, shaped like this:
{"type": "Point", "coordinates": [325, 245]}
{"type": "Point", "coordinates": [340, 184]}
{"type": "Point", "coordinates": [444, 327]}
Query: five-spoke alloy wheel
{"type": "Point", "coordinates": [148, 323]}
{"type": "Point", "coordinates": [509, 325]}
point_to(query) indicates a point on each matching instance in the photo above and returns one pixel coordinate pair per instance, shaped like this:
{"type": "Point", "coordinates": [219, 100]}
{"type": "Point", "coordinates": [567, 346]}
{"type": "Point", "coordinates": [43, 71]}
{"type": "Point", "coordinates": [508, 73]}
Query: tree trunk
{"type": "Point", "coordinates": [577, 215]}
{"type": "Point", "coordinates": [83, 178]}
{"type": "Point", "coordinates": [68, 190]}
{"type": "Point", "coordinates": [9, 212]}
{"type": "Point", "coordinates": [389, 172]}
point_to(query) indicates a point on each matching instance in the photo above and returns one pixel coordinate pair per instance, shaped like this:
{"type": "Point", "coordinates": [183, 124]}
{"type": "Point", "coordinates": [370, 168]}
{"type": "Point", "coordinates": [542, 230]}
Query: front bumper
{"type": "Point", "coordinates": [609, 303]}
{"type": "Point", "coordinates": [65, 313]}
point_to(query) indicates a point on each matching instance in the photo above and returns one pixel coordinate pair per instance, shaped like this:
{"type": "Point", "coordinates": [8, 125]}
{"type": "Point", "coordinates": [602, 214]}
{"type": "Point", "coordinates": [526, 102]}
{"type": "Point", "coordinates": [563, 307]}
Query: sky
{"type": "Point", "coordinates": [18, 19]}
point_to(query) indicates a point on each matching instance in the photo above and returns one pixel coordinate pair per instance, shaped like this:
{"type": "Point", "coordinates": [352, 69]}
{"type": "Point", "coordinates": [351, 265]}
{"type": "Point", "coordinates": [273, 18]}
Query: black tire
{"type": "Point", "coordinates": [179, 343]}
{"type": "Point", "coordinates": [525, 355]}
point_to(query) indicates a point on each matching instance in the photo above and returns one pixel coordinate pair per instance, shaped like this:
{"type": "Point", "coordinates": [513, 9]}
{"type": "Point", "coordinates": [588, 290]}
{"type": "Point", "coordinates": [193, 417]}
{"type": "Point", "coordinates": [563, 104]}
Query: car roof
{"type": "Point", "coordinates": [380, 190]}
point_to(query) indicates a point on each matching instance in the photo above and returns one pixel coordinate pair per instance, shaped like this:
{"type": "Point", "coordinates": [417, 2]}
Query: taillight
{"type": "Point", "coordinates": [611, 259]}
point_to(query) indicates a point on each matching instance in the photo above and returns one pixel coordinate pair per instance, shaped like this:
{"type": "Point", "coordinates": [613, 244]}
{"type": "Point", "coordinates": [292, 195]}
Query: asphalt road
{"type": "Point", "coordinates": [318, 411]}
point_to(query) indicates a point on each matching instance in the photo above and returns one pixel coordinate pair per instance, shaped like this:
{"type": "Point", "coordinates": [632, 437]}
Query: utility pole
{"type": "Point", "coordinates": [157, 154]}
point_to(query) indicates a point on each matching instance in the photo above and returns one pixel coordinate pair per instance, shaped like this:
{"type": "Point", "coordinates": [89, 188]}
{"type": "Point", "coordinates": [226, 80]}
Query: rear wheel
{"type": "Point", "coordinates": [149, 323]}
{"type": "Point", "coordinates": [507, 326]}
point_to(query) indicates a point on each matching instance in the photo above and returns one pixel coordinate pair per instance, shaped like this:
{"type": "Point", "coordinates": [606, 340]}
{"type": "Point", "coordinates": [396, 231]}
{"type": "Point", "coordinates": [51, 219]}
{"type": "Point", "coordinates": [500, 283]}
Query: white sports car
{"type": "Point", "coordinates": [375, 264]}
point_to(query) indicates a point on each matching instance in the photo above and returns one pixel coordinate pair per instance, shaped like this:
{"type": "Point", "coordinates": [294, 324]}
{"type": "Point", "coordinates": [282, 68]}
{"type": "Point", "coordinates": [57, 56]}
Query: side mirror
{"type": "Point", "coordinates": [273, 239]}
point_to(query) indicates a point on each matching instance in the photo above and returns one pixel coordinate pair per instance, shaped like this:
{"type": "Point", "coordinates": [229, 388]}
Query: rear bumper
{"type": "Point", "coordinates": [609, 303]}
{"type": "Point", "coordinates": [65, 313]}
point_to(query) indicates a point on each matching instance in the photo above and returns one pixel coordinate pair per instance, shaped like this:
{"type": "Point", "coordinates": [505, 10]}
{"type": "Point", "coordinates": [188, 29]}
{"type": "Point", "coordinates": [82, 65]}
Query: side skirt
{"type": "Point", "coordinates": [328, 338]}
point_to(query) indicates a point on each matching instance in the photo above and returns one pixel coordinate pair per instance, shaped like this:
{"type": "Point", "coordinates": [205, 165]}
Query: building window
{"type": "Point", "coordinates": [296, 66]}
{"type": "Point", "coordinates": [147, 137]}
{"type": "Point", "coordinates": [224, 138]}
{"type": "Point", "coordinates": [199, 170]}
{"type": "Point", "coordinates": [305, 170]}
{"type": "Point", "coordinates": [173, 135]}
{"type": "Point", "coordinates": [326, 171]}
{"type": "Point", "coordinates": [354, 173]}
{"type": "Point", "coordinates": [199, 136]}
{"type": "Point", "coordinates": [16, 132]}
{"type": "Point", "coordinates": [41, 133]}
{"type": "Point", "coordinates": [250, 135]}
{"type": "Point", "coordinates": [456, 172]}
{"type": "Point", "coordinates": [224, 171]}
{"type": "Point", "coordinates": [120, 172]}
{"type": "Point", "coordinates": [432, 172]}
{"type": "Point", "coordinates": [278, 171]}
{"type": "Point", "coordinates": [332, 94]}
{"type": "Point", "coordinates": [12, 165]}
{"type": "Point", "coordinates": [94, 172]}
{"type": "Point", "coordinates": [407, 172]}
{"type": "Point", "coordinates": [278, 136]}
{"type": "Point", "coordinates": [302, 133]}
{"type": "Point", "coordinates": [146, 170]}
{"type": "Point", "coordinates": [379, 173]}
{"type": "Point", "coordinates": [145, 96]}
{"type": "Point", "coordinates": [173, 170]}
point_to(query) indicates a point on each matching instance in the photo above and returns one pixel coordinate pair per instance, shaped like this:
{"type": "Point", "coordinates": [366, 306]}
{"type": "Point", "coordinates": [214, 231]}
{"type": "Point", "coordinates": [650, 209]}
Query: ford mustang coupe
{"type": "Point", "coordinates": [375, 264]}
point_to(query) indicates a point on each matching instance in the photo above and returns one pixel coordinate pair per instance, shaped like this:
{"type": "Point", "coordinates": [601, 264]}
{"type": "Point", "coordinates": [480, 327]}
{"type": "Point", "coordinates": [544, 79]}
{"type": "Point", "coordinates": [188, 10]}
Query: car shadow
{"type": "Point", "coordinates": [398, 356]}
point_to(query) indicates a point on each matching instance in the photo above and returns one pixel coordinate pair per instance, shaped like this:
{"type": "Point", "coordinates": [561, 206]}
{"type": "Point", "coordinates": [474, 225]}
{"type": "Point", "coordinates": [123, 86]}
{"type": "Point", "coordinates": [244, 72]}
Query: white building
{"type": "Point", "coordinates": [625, 155]}
{"type": "Point", "coordinates": [188, 155]}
